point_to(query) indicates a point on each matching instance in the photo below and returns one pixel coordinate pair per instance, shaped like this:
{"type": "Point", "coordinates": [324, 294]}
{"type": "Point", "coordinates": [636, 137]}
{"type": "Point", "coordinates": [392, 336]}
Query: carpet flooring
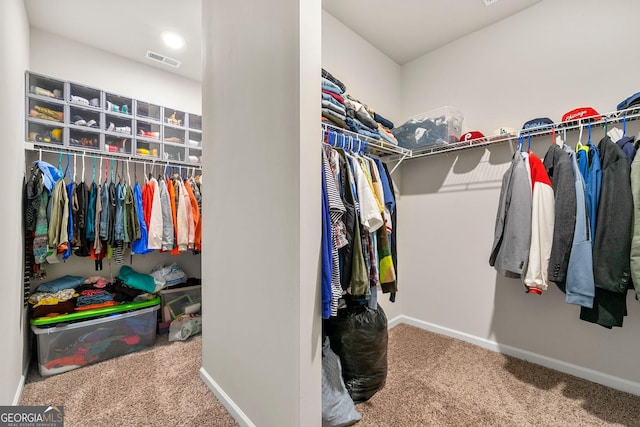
{"type": "Point", "coordinates": [432, 381]}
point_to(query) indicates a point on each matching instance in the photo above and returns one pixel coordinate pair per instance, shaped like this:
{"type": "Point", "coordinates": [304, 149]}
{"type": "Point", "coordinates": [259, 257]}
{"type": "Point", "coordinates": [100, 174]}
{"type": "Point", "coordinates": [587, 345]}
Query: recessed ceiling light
{"type": "Point", "coordinates": [173, 40]}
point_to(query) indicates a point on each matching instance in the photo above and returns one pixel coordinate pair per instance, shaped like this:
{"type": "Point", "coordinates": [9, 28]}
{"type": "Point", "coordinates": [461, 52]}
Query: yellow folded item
{"type": "Point", "coordinates": [55, 115]}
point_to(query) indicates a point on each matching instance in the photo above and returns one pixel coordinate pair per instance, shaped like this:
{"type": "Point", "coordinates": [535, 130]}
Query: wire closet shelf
{"type": "Point", "coordinates": [605, 120]}
{"type": "Point", "coordinates": [353, 141]}
{"type": "Point", "coordinates": [41, 148]}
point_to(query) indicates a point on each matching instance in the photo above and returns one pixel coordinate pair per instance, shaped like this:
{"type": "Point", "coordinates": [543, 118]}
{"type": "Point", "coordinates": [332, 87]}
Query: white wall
{"type": "Point", "coordinates": [66, 59]}
{"type": "Point", "coordinates": [14, 48]}
{"type": "Point", "coordinates": [368, 74]}
{"type": "Point", "coordinates": [542, 62]}
{"type": "Point", "coordinates": [261, 335]}
{"type": "Point", "coordinates": [545, 61]}
{"type": "Point", "coordinates": [373, 78]}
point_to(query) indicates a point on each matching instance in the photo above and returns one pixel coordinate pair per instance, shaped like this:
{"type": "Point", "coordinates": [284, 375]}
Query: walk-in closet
{"type": "Point", "coordinates": [410, 213]}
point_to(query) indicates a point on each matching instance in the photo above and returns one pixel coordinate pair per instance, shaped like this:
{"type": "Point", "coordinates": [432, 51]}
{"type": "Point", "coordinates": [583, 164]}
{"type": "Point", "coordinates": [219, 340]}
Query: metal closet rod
{"type": "Point", "coordinates": [111, 156]}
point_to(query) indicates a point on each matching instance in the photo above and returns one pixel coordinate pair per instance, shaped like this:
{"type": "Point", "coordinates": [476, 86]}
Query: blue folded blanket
{"type": "Point", "coordinates": [64, 282]}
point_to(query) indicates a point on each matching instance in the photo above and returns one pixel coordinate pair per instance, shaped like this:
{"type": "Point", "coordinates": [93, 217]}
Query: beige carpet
{"type": "Point", "coordinates": [432, 381]}
{"type": "Point", "coordinates": [438, 381]}
{"type": "Point", "coordinates": [160, 386]}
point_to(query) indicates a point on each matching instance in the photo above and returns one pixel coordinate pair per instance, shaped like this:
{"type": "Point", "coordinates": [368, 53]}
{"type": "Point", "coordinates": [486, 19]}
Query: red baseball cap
{"type": "Point", "coordinates": [473, 135]}
{"type": "Point", "coordinates": [581, 114]}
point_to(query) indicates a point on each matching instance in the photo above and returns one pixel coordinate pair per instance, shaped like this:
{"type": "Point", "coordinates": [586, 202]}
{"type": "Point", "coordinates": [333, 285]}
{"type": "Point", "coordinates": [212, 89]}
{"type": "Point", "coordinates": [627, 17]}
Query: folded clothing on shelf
{"type": "Point", "coordinates": [79, 100]}
{"type": "Point", "coordinates": [45, 113]}
{"type": "Point", "coordinates": [327, 75]}
{"type": "Point", "coordinates": [54, 135]}
{"type": "Point", "coordinates": [149, 134]}
{"type": "Point", "coordinates": [36, 90]}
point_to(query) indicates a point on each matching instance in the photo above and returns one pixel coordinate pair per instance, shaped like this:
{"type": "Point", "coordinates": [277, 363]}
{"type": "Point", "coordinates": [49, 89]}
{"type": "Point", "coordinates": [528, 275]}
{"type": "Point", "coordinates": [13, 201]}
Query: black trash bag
{"type": "Point", "coordinates": [359, 336]}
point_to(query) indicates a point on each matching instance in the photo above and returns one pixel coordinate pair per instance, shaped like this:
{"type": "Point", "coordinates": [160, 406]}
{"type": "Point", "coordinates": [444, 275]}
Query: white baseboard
{"type": "Point", "coordinates": [568, 368]}
{"type": "Point", "coordinates": [20, 388]}
{"type": "Point", "coordinates": [395, 321]}
{"type": "Point", "coordinates": [235, 411]}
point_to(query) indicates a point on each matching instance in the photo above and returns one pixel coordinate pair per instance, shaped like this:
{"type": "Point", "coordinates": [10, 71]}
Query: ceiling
{"type": "Point", "coordinates": [407, 29]}
{"type": "Point", "coordinates": [402, 29]}
{"type": "Point", "coordinates": [126, 27]}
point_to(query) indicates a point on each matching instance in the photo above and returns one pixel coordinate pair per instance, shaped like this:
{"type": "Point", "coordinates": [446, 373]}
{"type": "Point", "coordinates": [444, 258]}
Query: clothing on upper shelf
{"type": "Point", "coordinates": [345, 111]}
{"type": "Point", "coordinates": [327, 75]}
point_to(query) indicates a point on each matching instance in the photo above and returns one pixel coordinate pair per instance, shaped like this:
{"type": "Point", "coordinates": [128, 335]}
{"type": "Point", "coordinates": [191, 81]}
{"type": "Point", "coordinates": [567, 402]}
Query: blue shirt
{"type": "Point", "coordinates": [593, 184]}
{"type": "Point", "coordinates": [326, 253]}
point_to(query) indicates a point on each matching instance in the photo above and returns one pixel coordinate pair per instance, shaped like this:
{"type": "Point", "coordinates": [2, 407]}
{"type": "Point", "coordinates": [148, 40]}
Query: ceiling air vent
{"type": "Point", "coordinates": [154, 56]}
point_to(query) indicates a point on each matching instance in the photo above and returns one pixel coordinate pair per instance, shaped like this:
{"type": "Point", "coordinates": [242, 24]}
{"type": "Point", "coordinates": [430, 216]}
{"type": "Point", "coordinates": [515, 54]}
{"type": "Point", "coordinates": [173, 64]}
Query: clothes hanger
{"type": "Point", "coordinates": [616, 134]}
{"type": "Point", "coordinates": [75, 158]}
{"type": "Point", "coordinates": [83, 159]}
{"type": "Point", "coordinates": [559, 140]}
{"type": "Point", "coordinates": [520, 142]}
{"type": "Point", "coordinates": [528, 143]}
{"type": "Point", "coordinates": [60, 165]}
{"type": "Point", "coordinates": [93, 171]}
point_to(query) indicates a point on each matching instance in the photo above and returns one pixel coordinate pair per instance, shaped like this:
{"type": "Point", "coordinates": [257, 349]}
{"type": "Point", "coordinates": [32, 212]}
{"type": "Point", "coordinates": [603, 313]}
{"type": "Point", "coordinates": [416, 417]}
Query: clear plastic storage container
{"type": "Point", "coordinates": [64, 347]}
{"type": "Point", "coordinates": [437, 127]}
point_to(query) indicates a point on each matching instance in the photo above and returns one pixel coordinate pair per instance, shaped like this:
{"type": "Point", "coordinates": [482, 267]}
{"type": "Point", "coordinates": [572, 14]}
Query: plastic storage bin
{"type": "Point", "coordinates": [437, 127]}
{"type": "Point", "coordinates": [179, 301]}
{"type": "Point", "coordinates": [65, 347]}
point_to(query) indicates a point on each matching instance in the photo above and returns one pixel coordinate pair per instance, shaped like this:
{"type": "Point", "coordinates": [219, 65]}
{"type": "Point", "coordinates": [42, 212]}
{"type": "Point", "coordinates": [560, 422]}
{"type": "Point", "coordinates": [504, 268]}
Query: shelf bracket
{"type": "Point", "coordinates": [398, 164]}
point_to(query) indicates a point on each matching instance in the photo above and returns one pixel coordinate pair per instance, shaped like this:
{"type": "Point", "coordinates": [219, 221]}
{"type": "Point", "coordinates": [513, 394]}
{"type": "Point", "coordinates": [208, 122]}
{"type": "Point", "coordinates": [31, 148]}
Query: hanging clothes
{"type": "Point", "coordinates": [560, 171]}
{"type": "Point", "coordinates": [173, 203]}
{"type": "Point", "coordinates": [325, 258]}
{"type": "Point", "coordinates": [90, 232]}
{"type": "Point", "coordinates": [593, 185]}
{"type": "Point", "coordinates": [65, 248]}
{"type": "Point", "coordinates": [195, 214]}
{"type": "Point", "coordinates": [512, 237]}
{"type": "Point", "coordinates": [354, 269]}
{"type": "Point", "coordinates": [612, 241]}
{"type": "Point", "coordinates": [336, 210]}
{"type": "Point", "coordinates": [59, 216]}
{"type": "Point", "coordinates": [168, 234]}
{"type": "Point", "coordinates": [182, 216]}
{"type": "Point", "coordinates": [82, 219]}
{"type": "Point", "coordinates": [104, 212]}
{"type": "Point", "coordinates": [542, 217]}
{"type": "Point", "coordinates": [635, 238]}
{"type": "Point", "coordinates": [580, 287]}
{"type": "Point", "coordinates": [139, 245]}
{"type": "Point", "coordinates": [394, 231]}
{"type": "Point", "coordinates": [41, 238]}
{"type": "Point", "coordinates": [156, 222]}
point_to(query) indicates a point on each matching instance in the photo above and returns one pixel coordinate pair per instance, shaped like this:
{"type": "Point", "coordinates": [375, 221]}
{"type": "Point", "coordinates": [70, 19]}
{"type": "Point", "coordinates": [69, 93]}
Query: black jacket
{"type": "Point", "coordinates": [612, 241]}
{"type": "Point", "coordinates": [560, 171]}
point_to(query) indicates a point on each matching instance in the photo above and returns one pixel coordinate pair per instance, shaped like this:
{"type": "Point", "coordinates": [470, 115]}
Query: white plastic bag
{"type": "Point", "coordinates": [185, 326]}
{"type": "Point", "coordinates": [166, 276]}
